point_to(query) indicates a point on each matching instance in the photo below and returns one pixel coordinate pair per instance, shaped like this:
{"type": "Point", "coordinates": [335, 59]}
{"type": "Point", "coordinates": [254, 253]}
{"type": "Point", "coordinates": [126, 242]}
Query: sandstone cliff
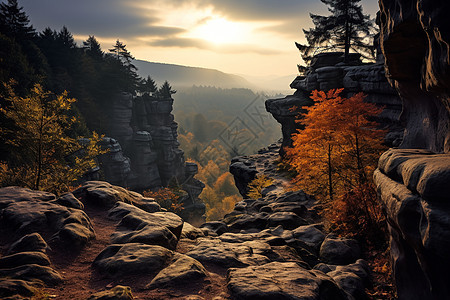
{"type": "Point", "coordinates": [327, 71]}
{"type": "Point", "coordinates": [413, 184]}
{"type": "Point", "coordinates": [144, 152]}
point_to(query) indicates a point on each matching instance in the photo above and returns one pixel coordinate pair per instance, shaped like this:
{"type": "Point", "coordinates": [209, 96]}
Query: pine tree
{"type": "Point", "coordinates": [14, 22]}
{"type": "Point", "coordinates": [65, 38]}
{"type": "Point", "coordinates": [346, 28]}
{"type": "Point", "coordinates": [166, 91]}
{"type": "Point", "coordinates": [148, 85]}
{"type": "Point", "coordinates": [121, 53]}
{"type": "Point", "coordinates": [92, 47]}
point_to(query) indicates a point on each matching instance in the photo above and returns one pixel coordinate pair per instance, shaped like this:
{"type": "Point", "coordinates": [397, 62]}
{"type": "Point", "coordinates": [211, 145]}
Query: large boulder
{"type": "Point", "coordinates": [281, 281]}
{"type": "Point", "coordinates": [25, 211]}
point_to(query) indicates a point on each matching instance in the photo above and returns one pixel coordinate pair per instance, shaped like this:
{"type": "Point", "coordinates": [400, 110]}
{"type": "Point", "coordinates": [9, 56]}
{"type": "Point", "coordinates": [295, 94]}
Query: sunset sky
{"type": "Point", "coordinates": [249, 37]}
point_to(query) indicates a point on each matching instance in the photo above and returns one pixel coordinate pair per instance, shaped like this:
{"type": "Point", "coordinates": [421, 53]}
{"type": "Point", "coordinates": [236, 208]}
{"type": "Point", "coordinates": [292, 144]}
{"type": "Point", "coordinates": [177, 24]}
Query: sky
{"type": "Point", "coordinates": [248, 37]}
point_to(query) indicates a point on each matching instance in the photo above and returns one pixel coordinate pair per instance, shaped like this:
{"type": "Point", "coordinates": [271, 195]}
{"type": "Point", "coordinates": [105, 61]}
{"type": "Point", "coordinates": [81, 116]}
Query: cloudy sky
{"type": "Point", "coordinates": [250, 37]}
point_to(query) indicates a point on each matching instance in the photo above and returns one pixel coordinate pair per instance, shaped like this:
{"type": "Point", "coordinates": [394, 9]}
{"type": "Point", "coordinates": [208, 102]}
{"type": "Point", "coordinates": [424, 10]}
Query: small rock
{"type": "Point", "coordinates": [24, 258]}
{"type": "Point", "coordinates": [118, 292]}
{"type": "Point", "coordinates": [132, 258]}
{"type": "Point", "coordinates": [69, 200]}
{"type": "Point", "coordinates": [32, 272]}
{"type": "Point", "coordinates": [29, 243]}
{"type": "Point", "coordinates": [216, 226]}
{"type": "Point", "coordinates": [185, 270]}
{"type": "Point", "coordinates": [339, 251]}
{"type": "Point", "coordinates": [288, 220]}
{"type": "Point", "coordinates": [281, 281]}
{"type": "Point", "coordinates": [14, 287]}
{"type": "Point", "coordinates": [191, 232]}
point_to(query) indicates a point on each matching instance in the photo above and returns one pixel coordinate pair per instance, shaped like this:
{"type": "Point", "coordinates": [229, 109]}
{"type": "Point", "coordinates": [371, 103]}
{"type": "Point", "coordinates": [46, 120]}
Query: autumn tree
{"type": "Point", "coordinates": [347, 28]}
{"type": "Point", "coordinates": [45, 156]}
{"type": "Point", "coordinates": [256, 186]}
{"type": "Point", "coordinates": [334, 158]}
{"type": "Point", "coordinates": [339, 147]}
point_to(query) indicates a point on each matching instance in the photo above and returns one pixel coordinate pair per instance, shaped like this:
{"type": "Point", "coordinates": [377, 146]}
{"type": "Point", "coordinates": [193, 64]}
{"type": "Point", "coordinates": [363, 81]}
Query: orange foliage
{"type": "Point", "coordinates": [167, 198]}
{"type": "Point", "coordinates": [339, 146]}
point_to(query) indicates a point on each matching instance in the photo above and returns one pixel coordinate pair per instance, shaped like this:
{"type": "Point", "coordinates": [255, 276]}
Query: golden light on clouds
{"type": "Point", "coordinates": [220, 31]}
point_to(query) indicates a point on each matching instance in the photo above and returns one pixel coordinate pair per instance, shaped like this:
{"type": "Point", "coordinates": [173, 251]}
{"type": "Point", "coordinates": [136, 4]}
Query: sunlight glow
{"type": "Point", "coordinates": [219, 31]}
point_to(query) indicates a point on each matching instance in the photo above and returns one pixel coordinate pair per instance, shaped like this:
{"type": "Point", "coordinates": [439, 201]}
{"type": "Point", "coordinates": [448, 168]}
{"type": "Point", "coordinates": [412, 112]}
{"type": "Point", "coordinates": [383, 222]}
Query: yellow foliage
{"type": "Point", "coordinates": [257, 185]}
{"type": "Point", "coordinates": [44, 155]}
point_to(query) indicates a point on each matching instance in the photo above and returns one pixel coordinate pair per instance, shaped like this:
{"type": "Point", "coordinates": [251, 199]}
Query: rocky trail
{"type": "Point", "coordinates": [105, 242]}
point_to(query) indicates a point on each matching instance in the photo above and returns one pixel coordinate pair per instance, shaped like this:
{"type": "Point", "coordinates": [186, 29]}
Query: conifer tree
{"type": "Point", "coordinates": [148, 85]}
{"type": "Point", "coordinates": [347, 28]}
{"type": "Point", "coordinates": [92, 47]}
{"type": "Point", "coordinates": [14, 22]}
{"type": "Point", "coordinates": [166, 91]}
{"type": "Point", "coordinates": [121, 53]}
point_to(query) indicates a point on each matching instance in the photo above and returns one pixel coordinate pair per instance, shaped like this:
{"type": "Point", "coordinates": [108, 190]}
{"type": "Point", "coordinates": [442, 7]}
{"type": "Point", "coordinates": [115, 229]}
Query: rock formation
{"type": "Point", "coordinates": [413, 184]}
{"type": "Point", "coordinates": [144, 151]}
{"type": "Point", "coordinates": [270, 248]}
{"type": "Point", "coordinates": [327, 71]}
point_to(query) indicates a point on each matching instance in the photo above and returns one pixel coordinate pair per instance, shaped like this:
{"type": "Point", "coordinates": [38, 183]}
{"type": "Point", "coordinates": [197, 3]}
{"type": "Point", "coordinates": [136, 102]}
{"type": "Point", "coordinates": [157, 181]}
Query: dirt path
{"type": "Point", "coordinates": [81, 280]}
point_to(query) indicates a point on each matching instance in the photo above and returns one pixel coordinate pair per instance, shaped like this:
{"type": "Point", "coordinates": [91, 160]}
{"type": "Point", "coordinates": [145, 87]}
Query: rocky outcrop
{"type": "Point", "coordinates": [144, 153]}
{"type": "Point", "coordinates": [414, 189]}
{"type": "Point", "coordinates": [327, 71]}
{"type": "Point", "coordinates": [414, 40]}
{"type": "Point", "coordinates": [413, 183]}
{"type": "Point", "coordinates": [274, 246]}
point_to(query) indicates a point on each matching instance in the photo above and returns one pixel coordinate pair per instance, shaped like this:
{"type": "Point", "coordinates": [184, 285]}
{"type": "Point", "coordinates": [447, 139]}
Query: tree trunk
{"type": "Point", "coordinates": [347, 34]}
{"type": "Point", "coordinates": [330, 181]}
{"type": "Point", "coordinates": [39, 158]}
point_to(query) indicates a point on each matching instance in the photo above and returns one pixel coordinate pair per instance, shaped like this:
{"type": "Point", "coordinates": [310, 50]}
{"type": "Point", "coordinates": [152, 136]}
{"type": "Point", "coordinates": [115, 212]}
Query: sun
{"type": "Point", "coordinates": [219, 31]}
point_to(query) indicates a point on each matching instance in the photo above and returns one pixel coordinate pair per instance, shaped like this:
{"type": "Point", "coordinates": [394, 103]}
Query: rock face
{"type": "Point", "coordinates": [270, 248]}
{"type": "Point", "coordinates": [145, 154]}
{"type": "Point", "coordinates": [327, 71]}
{"type": "Point", "coordinates": [413, 184]}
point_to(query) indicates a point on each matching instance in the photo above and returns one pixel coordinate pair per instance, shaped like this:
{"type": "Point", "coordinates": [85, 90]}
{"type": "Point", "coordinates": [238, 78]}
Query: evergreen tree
{"type": "Point", "coordinates": [65, 38]}
{"type": "Point", "coordinates": [346, 28]}
{"type": "Point", "coordinates": [148, 85]}
{"type": "Point", "coordinates": [166, 91]}
{"type": "Point", "coordinates": [14, 22]}
{"type": "Point", "coordinates": [92, 47]}
{"type": "Point", "coordinates": [121, 53]}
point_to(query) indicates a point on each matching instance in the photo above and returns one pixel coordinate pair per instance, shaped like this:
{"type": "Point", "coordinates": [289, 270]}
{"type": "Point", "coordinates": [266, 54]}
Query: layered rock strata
{"type": "Point", "coordinates": [327, 71]}
{"type": "Point", "coordinates": [145, 153]}
{"type": "Point", "coordinates": [413, 183]}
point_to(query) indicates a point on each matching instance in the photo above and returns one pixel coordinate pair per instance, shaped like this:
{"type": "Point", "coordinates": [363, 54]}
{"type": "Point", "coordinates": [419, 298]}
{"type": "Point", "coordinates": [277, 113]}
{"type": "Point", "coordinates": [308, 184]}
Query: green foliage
{"type": "Point", "coordinates": [40, 144]}
{"type": "Point", "coordinates": [347, 28]}
{"type": "Point", "coordinates": [257, 185]}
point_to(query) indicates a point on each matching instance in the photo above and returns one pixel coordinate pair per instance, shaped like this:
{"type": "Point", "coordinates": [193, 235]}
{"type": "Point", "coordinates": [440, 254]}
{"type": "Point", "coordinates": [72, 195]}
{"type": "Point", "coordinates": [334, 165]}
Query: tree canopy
{"type": "Point", "coordinates": [347, 28]}
{"type": "Point", "coordinates": [339, 147]}
{"type": "Point", "coordinates": [41, 144]}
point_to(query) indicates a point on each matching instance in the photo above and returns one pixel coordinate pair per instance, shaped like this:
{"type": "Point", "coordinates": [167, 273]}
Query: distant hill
{"type": "Point", "coordinates": [183, 76]}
